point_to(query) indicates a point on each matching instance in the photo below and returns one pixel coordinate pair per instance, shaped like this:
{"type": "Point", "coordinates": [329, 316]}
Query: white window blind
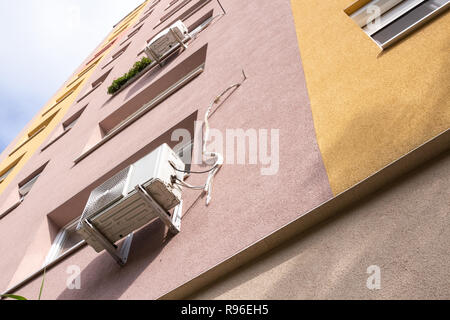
{"type": "Point", "coordinates": [66, 239]}
{"type": "Point", "coordinates": [387, 21]}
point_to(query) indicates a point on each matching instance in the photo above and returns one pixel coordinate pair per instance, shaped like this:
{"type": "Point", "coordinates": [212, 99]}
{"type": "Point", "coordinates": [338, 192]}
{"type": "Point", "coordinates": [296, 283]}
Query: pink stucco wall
{"type": "Point", "coordinates": [257, 36]}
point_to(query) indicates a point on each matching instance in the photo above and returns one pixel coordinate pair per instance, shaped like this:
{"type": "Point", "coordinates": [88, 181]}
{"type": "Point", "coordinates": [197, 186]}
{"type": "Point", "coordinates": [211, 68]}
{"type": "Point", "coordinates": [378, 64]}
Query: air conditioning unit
{"type": "Point", "coordinates": [167, 40]}
{"type": "Point", "coordinates": [131, 199]}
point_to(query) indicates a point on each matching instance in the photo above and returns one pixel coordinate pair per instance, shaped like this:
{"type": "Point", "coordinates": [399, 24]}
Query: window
{"type": "Point", "coordinates": [68, 93]}
{"type": "Point", "coordinates": [187, 13]}
{"type": "Point", "coordinates": [117, 33]}
{"type": "Point", "coordinates": [158, 91]}
{"type": "Point", "coordinates": [121, 51]}
{"type": "Point", "coordinates": [147, 99]}
{"type": "Point", "coordinates": [132, 34]}
{"type": "Point", "coordinates": [388, 21]}
{"type": "Point", "coordinates": [116, 55]}
{"type": "Point", "coordinates": [173, 11]}
{"type": "Point", "coordinates": [155, 3]}
{"type": "Point", "coordinates": [102, 79]}
{"type": "Point", "coordinates": [131, 17]}
{"type": "Point", "coordinates": [109, 45]}
{"type": "Point", "coordinates": [201, 24]}
{"type": "Point", "coordinates": [26, 187]}
{"type": "Point", "coordinates": [5, 174]}
{"type": "Point", "coordinates": [66, 240]}
{"type": "Point", "coordinates": [69, 124]}
{"type": "Point", "coordinates": [89, 68]}
{"type": "Point", "coordinates": [97, 83]}
{"type": "Point", "coordinates": [193, 29]}
{"type": "Point", "coordinates": [65, 128]}
{"type": "Point", "coordinates": [13, 200]}
{"type": "Point", "coordinates": [86, 70]}
{"type": "Point", "coordinates": [34, 132]}
{"type": "Point", "coordinates": [143, 18]}
{"type": "Point", "coordinates": [171, 3]}
{"type": "Point", "coordinates": [42, 126]}
{"type": "Point", "coordinates": [62, 98]}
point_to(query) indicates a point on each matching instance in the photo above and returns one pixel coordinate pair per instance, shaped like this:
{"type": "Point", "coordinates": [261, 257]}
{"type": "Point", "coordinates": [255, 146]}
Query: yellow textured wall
{"type": "Point", "coordinates": [25, 147]}
{"type": "Point", "coordinates": [369, 108]}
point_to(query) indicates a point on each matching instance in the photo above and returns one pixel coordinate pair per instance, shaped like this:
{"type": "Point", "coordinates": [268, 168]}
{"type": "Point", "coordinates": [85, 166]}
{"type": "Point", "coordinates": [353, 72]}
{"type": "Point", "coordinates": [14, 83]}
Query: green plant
{"type": "Point", "coordinates": [135, 70]}
{"type": "Point", "coordinates": [16, 297]}
{"type": "Point", "coordinates": [12, 296]}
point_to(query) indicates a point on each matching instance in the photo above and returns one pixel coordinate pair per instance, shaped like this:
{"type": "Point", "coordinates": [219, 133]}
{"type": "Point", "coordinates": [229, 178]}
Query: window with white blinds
{"type": "Point", "coordinates": [387, 21]}
{"type": "Point", "coordinates": [66, 240]}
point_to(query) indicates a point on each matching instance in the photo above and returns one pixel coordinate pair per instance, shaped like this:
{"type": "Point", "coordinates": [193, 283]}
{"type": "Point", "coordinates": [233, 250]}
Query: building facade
{"type": "Point", "coordinates": [333, 121]}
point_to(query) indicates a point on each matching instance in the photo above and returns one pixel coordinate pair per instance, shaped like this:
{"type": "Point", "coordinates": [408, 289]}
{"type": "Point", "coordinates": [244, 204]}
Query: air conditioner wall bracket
{"type": "Point", "coordinates": [180, 41]}
{"type": "Point", "coordinates": [152, 54]}
{"type": "Point", "coordinates": [174, 222]}
{"type": "Point", "coordinates": [119, 254]}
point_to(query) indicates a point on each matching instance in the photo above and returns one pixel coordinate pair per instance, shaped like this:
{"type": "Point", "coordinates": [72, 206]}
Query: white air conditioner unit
{"type": "Point", "coordinates": [167, 40]}
{"type": "Point", "coordinates": [131, 199]}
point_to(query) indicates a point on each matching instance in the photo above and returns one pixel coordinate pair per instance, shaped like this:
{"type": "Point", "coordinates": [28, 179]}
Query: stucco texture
{"type": "Point", "coordinates": [371, 107]}
{"type": "Point", "coordinates": [403, 229]}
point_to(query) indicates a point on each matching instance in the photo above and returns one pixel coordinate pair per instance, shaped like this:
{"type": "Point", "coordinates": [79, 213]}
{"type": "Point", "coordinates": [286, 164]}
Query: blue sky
{"type": "Point", "coordinates": [43, 42]}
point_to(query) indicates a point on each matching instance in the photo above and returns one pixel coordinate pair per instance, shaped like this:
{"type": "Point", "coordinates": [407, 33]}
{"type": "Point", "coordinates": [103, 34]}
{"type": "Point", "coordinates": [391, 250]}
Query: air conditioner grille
{"type": "Point", "coordinates": [108, 193]}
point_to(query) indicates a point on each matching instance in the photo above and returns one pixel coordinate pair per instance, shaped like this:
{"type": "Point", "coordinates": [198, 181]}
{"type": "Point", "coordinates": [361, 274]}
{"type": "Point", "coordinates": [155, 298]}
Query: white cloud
{"type": "Point", "coordinates": [43, 42]}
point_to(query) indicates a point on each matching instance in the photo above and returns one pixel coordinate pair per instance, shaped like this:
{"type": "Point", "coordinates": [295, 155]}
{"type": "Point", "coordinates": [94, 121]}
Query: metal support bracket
{"type": "Point", "coordinates": [172, 222]}
{"type": "Point", "coordinates": [118, 254]}
{"type": "Point", "coordinates": [180, 41]}
{"type": "Point", "coordinates": [150, 52]}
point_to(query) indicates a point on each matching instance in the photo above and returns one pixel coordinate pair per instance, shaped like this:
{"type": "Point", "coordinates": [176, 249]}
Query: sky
{"type": "Point", "coordinates": [43, 42]}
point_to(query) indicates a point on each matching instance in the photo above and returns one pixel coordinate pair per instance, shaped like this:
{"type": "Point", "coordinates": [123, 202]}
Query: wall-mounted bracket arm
{"type": "Point", "coordinates": [172, 222]}
{"type": "Point", "coordinates": [119, 254]}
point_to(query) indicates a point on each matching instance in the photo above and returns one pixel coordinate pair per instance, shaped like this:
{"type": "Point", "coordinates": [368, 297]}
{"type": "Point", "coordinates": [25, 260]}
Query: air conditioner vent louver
{"type": "Point", "coordinates": [133, 198]}
{"type": "Point", "coordinates": [108, 193]}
